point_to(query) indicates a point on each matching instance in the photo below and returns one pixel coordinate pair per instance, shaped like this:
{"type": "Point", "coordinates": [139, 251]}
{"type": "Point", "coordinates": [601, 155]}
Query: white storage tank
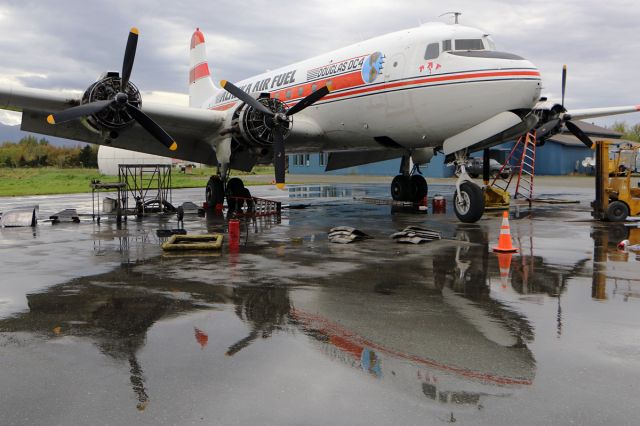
{"type": "Point", "coordinates": [109, 158]}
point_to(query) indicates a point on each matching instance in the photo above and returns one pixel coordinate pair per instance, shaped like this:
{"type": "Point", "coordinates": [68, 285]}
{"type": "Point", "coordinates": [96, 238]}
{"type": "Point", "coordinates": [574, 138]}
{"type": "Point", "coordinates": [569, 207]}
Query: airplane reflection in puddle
{"type": "Point", "coordinates": [429, 328]}
{"type": "Point", "coordinates": [434, 332]}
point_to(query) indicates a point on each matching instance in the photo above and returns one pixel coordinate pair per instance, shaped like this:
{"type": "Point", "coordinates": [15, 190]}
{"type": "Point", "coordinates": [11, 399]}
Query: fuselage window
{"type": "Point", "coordinates": [446, 45]}
{"type": "Point", "coordinates": [300, 91]}
{"type": "Point", "coordinates": [469, 44]}
{"type": "Point", "coordinates": [432, 52]}
{"type": "Point", "coordinates": [288, 94]}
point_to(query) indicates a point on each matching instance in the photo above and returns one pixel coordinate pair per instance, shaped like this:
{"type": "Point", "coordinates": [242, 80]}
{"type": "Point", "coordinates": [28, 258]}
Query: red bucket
{"type": "Point", "coordinates": [439, 204]}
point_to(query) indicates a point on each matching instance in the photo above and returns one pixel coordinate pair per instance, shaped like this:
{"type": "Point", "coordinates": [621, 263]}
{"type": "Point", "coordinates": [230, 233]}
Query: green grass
{"type": "Point", "coordinates": [50, 180]}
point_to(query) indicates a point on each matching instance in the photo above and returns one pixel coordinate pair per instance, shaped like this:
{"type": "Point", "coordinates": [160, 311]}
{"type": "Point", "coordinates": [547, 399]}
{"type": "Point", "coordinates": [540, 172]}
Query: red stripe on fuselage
{"type": "Point", "coordinates": [352, 84]}
{"type": "Point", "coordinates": [434, 79]}
{"type": "Point", "coordinates": [224, 107]}
{"type": "Point", "coordinates": [199, 71]}
{"type": "Point", "coordinates": [352, 343]}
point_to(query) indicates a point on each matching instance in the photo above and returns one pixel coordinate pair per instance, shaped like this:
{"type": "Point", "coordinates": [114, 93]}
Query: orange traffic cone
{"type": "Point", "coordinates": [201, 337]}
{"type": "Point", "coordinates": [504, 242]}
{"type": "Point", "coordinates": [504, 263]}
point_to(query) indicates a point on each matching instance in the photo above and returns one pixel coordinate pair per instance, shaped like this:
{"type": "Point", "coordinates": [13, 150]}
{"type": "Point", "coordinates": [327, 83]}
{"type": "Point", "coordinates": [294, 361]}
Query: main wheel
{"type": "Point", "coordinates": [469, 205]}
{"type": "Point", "coordinates": [617, 211]}
{"type": "Point", "coordinates": [418, 188]}
{"type": "Point", "coordinates": [401, 188]}
{"type": "Point", "coordinates": [214, 193]}
{"type": "Point", "coordinates": [246, 194]}
{"type": "Point", "coordinates": [235, 188]}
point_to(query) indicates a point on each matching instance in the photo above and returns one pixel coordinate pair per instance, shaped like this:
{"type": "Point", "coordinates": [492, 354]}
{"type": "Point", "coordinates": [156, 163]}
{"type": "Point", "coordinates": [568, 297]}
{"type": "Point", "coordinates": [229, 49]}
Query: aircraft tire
{"type": "Point", "coordinates": [249, 200]}
{"type": "Point", "coordinates": [469, 206]}
{"type": "Point", "coordinates": [419, 188]}
{"type": "Point", "coordinates": [401, 188]}
{"type": "Point", "coordinates": [214, 192]}
{"type": "Point", "coordinates": [235, 188]}
{"type": "Point", "coordinates": [617, 211]}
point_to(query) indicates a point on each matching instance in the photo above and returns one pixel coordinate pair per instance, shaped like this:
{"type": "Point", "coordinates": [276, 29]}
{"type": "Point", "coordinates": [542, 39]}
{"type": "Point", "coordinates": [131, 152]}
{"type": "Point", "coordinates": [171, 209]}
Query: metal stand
{"type": "Point", "coordinates": [147, 184]}
{"type": "Point", "coordinates": [121, 202]}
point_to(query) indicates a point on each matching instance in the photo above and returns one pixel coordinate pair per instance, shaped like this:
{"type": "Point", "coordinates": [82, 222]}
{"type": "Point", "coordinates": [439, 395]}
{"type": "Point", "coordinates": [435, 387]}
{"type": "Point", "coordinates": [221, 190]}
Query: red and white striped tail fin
{"type": "Point", "coordinates": [201, 87]}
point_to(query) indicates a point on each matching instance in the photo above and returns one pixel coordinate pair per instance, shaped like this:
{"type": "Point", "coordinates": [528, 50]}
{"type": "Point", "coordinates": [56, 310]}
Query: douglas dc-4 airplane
{"type": "Point", "coordinates": [410, 94]}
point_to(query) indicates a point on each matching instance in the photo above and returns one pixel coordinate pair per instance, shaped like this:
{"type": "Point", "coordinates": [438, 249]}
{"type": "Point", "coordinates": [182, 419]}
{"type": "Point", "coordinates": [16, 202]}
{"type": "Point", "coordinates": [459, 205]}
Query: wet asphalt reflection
{"type": "Point", "coordinates": [98, 326]}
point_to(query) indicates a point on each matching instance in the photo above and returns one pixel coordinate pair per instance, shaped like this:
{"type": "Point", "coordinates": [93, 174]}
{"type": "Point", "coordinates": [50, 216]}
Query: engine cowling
{"type": "Point", "coordinates": [256, 128]}
{"type": "Point", "coordinates": [112, 118]}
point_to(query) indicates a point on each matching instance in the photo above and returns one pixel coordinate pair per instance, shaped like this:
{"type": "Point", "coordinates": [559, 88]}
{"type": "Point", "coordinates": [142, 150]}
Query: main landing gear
{"type": "Point", "coordinates": [220, 186]}
{"type": "Point", "coordinates": [468, 200]}
{"type": "Point", "coordinates": [408, 185]}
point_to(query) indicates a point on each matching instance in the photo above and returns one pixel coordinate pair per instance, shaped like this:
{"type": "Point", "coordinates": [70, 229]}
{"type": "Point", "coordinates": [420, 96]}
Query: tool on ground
{"type": "Point", "coordinates": [416, 235]}
{"type": "Point", "coordinates": [346, 235]}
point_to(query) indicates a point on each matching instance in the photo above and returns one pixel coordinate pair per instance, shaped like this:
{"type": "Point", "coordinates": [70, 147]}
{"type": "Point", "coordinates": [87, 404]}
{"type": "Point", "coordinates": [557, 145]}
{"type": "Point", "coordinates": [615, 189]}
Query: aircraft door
{"type": "Point", "coordinates": [394, 71]}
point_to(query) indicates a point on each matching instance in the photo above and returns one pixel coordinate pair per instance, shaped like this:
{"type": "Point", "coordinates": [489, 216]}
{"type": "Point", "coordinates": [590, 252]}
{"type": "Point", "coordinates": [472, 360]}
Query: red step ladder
{"type": "Point", "coordinates": [522, 160]}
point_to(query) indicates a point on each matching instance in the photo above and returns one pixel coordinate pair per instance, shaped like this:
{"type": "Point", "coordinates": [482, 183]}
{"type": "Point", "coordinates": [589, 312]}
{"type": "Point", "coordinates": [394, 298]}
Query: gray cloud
{"type": "Point", "coordinates": [67, 44]}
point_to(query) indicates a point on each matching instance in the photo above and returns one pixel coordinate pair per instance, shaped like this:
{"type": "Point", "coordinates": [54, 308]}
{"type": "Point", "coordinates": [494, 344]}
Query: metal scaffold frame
{"type": "Point", "coordinates": [147, 185]}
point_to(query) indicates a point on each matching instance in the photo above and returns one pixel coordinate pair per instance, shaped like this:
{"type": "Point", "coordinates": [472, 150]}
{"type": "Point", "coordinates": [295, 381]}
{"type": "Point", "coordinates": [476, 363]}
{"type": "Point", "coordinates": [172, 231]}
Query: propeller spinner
{"type": "Point", "coordinates": [278, 123]}
{"type": "Point", "coordinates": [119, 101]}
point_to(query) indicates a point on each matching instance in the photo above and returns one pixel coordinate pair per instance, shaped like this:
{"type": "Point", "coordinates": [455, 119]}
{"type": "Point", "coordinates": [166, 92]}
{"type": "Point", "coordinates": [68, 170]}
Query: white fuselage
{"type": "Point", "coordinates": [416, 87]}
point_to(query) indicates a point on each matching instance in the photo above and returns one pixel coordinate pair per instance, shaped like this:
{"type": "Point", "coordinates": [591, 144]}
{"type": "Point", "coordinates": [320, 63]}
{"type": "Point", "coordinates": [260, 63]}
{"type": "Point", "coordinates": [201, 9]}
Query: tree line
{"type": "Point", "coordinates": [629, 132]}
{"type": "Point", "coordinates": [33, 152]}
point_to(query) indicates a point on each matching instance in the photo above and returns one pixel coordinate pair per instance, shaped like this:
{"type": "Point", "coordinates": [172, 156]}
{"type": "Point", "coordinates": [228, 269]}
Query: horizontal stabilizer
{"type": "Point", "coordinates": [342, 160]}
{"type": "Point", "coordinates": [499, 128]}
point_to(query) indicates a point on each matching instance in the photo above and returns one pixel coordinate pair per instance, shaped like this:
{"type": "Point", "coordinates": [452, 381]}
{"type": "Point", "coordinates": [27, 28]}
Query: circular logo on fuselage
{"type": "Point", "coordinates": [372, 67]}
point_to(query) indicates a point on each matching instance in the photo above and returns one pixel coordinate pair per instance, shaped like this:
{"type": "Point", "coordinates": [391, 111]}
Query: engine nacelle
{"type": "Point", "coordinates": [110, 119]}
{"type": "Point", "coordinates": [256, 127]}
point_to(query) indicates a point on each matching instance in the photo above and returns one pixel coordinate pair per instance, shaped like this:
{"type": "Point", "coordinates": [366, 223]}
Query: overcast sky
{"type": "Point", "coordinates": [66, 44]}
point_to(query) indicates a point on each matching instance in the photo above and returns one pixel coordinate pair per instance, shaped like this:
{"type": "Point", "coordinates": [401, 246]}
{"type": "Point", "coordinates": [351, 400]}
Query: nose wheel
{"type": "Point", "coordinates": [468, 200]}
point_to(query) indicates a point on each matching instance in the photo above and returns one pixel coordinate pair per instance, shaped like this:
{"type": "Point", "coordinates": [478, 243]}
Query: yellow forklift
{"type": "Point", "coordinates": [617, 186]}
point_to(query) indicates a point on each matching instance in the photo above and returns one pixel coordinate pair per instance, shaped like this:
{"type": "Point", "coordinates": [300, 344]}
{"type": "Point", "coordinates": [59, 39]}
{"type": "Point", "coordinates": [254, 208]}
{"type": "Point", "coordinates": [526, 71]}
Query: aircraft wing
{"type": "Point", "coordinates": [191, 128]}
{"type": "Point", "coordinates": [581, 114]}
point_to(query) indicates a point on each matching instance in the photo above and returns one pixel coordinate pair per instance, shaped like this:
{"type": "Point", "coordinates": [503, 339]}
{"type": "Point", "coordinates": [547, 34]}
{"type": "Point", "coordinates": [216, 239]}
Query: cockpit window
{"type": "Point", "coordinates": [432, 52]}
{"type": "Point", "coordinates": [469, 44]}
{"type": "Point", "coordinates": [490, 42]}
{"type": "Point", "coordinates": [446, 45]}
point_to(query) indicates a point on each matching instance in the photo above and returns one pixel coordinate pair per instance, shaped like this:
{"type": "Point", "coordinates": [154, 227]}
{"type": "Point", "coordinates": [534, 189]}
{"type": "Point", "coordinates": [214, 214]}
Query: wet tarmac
{"type": "Point", "coordinates": [98, 326]}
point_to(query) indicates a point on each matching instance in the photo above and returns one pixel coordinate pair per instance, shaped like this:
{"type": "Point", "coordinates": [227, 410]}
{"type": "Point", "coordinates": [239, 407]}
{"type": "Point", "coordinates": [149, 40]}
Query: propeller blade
{"type": "Point", "coordinates": [564, 82]}
{"type": "Point", "coordinates": [245, 97]}
{"type": "Point", "coordinates": [578, 133]}
{"type": "Point", "coordinates": [152, 127]}
{"type": "Point", "coordinates": [278, 156]}
{"type": "Point", "coordinates": [129, 56]}
{"type": "Point", "coordinates": [545, 130]}
{"type": "Point", "coordinates": [78, 111]}
{"type": "Point", "coordinates": [308, 101]}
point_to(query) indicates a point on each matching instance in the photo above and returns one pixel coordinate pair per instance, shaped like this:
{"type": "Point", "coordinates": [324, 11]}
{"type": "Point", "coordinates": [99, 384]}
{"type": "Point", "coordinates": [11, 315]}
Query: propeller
{"type": "Point", "coordinates": [120, 101]}
{"type": "Point", "coordinates": [552, 126]}
{"type": "Point", "coordinates": [280, 121]}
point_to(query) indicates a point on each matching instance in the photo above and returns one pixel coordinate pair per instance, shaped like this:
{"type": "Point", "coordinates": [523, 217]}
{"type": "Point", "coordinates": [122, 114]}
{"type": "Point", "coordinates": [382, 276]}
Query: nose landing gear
{"type": "Point", "coordinates": [468, 200]}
